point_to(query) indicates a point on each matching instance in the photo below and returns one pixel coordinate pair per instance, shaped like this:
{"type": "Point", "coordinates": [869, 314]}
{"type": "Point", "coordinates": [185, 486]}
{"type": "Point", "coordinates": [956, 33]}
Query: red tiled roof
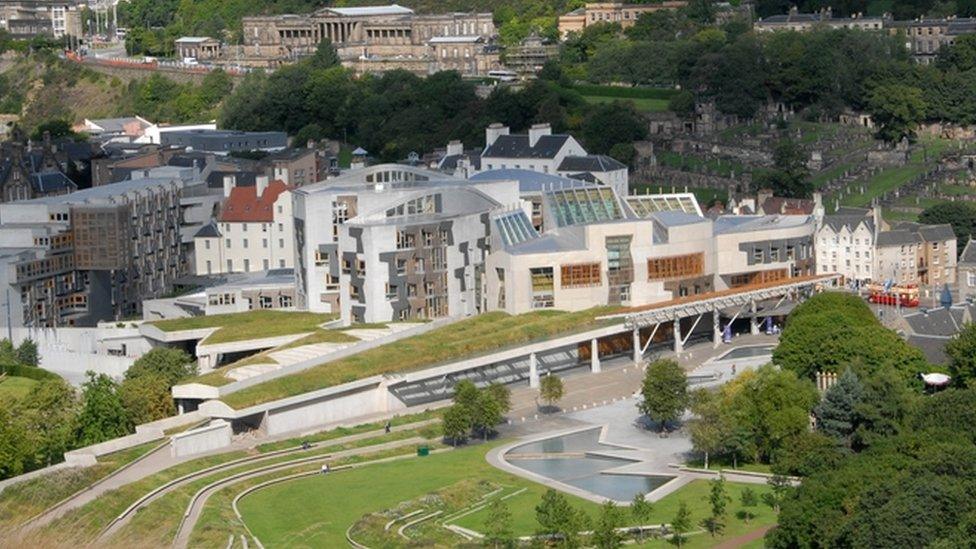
{"type": "Point", "coordinates": [244, 206]}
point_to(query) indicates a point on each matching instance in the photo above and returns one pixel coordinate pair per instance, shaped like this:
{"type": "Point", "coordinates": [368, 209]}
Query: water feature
{"type": "Point", "coordinates": [559, 459]}
{"type": "Point", "coordinates": [754, 351]}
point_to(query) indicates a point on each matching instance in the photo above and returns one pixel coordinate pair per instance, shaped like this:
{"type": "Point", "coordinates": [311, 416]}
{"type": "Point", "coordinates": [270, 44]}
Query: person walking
{"type": "Point", "coordinates": [733, 370]}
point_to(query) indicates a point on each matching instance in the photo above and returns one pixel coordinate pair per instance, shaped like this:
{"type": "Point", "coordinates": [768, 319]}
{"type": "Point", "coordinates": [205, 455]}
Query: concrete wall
{"type": "Point", "coordinates": [197, 441]}
{"type": "Point", "coordinates": [331, 409]}
{"type": "Point", "coordinates": [70, 352]}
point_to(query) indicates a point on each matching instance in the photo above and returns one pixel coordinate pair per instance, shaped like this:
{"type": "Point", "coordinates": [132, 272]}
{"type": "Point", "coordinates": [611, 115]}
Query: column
{"type": "Point", "coordinates": [637, 347]}
{"type": "Point", "coordinates": [533, 371]}
{"type": "Point", "coordinates": [679, 345]}
{"type": "Point", "coordinates": [716, 329]}
{"type": "Point", "coordinates": [594, 356]}
{"type": "Point", "coordinates": [753, 320]}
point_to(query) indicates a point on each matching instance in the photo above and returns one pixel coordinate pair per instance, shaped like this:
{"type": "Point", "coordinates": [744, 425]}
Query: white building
{"type": "Point", "coordinates": [393, 242]}
{"type": "Point", "coordinates": [254, 232]}
{"type": "Point", "coordinates": [846, 245]}
{"type": "Point", "coordinates": [540, 151]}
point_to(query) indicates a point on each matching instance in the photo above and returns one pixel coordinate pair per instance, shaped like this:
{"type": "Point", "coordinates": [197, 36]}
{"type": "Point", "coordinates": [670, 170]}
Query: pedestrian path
{"type": "Point", "coordinates": [314, 351]}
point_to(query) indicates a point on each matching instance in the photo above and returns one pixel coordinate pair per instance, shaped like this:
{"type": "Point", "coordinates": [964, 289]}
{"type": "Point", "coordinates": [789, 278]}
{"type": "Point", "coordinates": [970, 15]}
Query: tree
{"type": "Point", "coordinates": [961, 215]}
{"type": "Point", "coordinates": [664, 391]}
{"type": "Point", "coordinates": [885, 406]}
{"type": "Point", "coordinates": [325, 56]}
{"type": "Point", "coordinates": [708, 426]}
{"type": "Point", "coordinates": [486, 414]}
{"type": "Point", "coordinates": [749, 500]}
{"type": "Point", "coordinates": [456, 423]}
{"type": "Point", "coordinates": [54, 128]}
{"type": "Point", "coordinates": [103, 415]}
{"type": "Point", "coordinates": [498, 525]}
{"type": "Point", "coordinates": [16, 446]}
{"type": "Point", "coordinates": [781, 487]}
{"type": "Point", "coordinates": [606, 125]}
{"type": "Point", "coordinates": [896, 109]}
{"type": "Point", "coordinates": [502, 395]}
{"type": "Point", "coordinates": [146, 398]}
{"type": "Point", "coordinates": [718, 499]}
{"type": "Point", "coordinates": [49, 411]}
{"type": "Point", "coordinates": [558, 519]}
{"type": "Point", "coordinates": [605, 535]}
{"type": "Point", "coordinates": [680, 524]}
{"type": "Point", "coordinates": [27, 353]}
{"type": "Point", "coordinates": [789, 176]}
{"type": "Point", "coordinates": [641, 510]}
{"type": "Point", "coordinates": [173, 365]}
{"type": "Point", "coordinates": [835, 414]}
{"type": "Point", "coordinates": [466, 394]}
{"type": "Point", "coordinates": [550, 389]}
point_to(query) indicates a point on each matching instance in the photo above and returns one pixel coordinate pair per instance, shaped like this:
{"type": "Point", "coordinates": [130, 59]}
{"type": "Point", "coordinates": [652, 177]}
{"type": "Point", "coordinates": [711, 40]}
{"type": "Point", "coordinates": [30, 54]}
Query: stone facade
{"type": "Point", "coordinates": [377, 38]}
{"type": "Point", "coordinates": [610, 12]}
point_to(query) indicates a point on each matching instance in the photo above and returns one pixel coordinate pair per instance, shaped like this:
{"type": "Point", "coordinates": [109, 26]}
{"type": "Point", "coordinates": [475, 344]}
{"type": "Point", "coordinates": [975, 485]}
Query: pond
{"type": "Point", "coordinates": [740, 353]}
{"type": "Point", "coordinates": [558, 458]}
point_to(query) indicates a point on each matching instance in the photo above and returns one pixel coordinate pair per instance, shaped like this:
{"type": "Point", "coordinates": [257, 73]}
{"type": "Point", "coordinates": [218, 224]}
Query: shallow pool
{"type": "Point", "coordinates": [747, 352]}
{"type": "Point", "coordinates": [562, 462]}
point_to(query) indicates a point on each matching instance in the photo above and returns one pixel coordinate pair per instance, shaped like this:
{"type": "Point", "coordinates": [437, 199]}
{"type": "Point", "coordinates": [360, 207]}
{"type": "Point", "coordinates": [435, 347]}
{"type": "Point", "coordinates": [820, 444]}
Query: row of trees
{"type": "Point", "coordinates": [53, 418]}
{"type": "Point", "coordinates": [393, 114]}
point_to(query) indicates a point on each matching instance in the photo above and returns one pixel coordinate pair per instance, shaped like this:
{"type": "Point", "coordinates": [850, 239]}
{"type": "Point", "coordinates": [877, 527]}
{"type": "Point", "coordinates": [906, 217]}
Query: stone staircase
{"type": "Point", "coordinates": [294, 355]}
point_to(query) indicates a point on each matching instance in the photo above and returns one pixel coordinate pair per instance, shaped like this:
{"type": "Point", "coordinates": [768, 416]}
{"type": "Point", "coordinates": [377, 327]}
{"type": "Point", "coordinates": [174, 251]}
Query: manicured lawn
{"type": "Point", "coordinates": [307, 512]}
{"type": "Point", "coordinates": [640, 103]}
{"type": "Point", "coordinates": [466, 338]}
{"type": "Point", "coordinates": [249, 325]}
{"type": "Point", "coordinates": [13, 388]}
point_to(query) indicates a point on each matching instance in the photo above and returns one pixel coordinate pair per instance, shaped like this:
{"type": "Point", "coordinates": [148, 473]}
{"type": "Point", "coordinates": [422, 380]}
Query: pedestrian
{"type": "Point", "coordinates": [325, 468]}
{"type": "Point", "coordinates": [733, 369]}
{"type": "Point", "coordinates": [305, 445]}
{"type": "Point", "coordinates": [388, 426]}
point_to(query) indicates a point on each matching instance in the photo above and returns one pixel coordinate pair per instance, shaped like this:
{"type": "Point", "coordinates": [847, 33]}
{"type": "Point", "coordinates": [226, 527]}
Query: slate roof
{"type": "Point", "coordinates": [968, 253]}
{"type": "Point", "coordinates": [590, 163]}
{"type": "Point", "coordinates": [209, 230]}
{"type": "Point", "coordinates": [52, 182]}
{"type": "Point", "coordinates": [897, 238]}
{"type": "Point", "coordinates": [243, 205]}
{"type": "Point", "coordinates": [848, 210]}
{"type": "Point", "coordinates": [517, 146]}
{"type": "Point", "coordinates": [838, 222]}
{"type": "Point", "coordinates": [933, 233]}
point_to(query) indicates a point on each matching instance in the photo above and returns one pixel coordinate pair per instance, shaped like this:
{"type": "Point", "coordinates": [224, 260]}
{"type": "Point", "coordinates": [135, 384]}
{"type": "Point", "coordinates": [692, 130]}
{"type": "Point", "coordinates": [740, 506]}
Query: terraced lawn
{"type": "Point", "coordinates": [250, 325]}
{"type": "Point", "coordinates": [305, 513]}
{"type": "Point", "coordinates": [465, 338]}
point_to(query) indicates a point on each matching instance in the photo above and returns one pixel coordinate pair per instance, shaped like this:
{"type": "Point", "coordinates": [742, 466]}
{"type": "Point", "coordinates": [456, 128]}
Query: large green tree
{"type": "Point", "coordinates": [103, 415]}
{"type": "Point", "coordinates": [836, 414]}
{"type": "Point", "coordinates": [146, 398]}
{"type": "Point", "coordinates": [897, 109]}
{"type": "Point", "coordinates": [664, 392]}
{"type": "Point", "coordinates": [172, 365]}
{"type": "Point", "coordinates": [961, 350]}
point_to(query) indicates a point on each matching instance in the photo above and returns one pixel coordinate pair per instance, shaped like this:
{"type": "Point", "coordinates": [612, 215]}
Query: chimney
{"type": "Point", "coordinates": [493, 131]}
{"type": "Point", "coordinates": [876, 217]}
{"type": "Point", "coordinates": [261, 185]}
{"type": "Point", "coordinates": [455, 148]}
{"type": "Point", "coordinates": [537, 131]}
{"type": "Point", "coordinates": [818, 209]}
{"type": "Point", "coordinates": [229, 181]}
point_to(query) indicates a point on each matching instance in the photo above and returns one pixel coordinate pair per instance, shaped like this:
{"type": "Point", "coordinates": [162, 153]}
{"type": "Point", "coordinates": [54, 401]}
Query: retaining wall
{"type": "Point", "coordinates": [197, 441]}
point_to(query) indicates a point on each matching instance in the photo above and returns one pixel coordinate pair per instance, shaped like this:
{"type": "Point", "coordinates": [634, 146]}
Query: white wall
{"type": "Point", "coordinates": [197, 441]}
{"type": "Point", "coordinates": [331, 409]}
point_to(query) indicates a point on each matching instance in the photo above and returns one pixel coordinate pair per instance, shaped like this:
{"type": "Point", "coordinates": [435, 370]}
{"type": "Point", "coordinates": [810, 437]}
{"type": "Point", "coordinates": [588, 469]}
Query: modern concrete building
{"type": "Point", "coordinates": [92, 255]}
{"type": "Point", "coordinates": [254, 231]}
{"type": "Point", "coordinates": [600, 249]}
{"type": "Point", "coordinates": [393, 242]}
{"type": "Point", "coordinates": [229, 293]}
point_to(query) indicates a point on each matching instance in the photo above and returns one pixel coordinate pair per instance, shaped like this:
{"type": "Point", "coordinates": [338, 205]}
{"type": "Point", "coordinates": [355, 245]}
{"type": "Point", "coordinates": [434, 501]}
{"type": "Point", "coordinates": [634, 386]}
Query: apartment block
{"type": "Point", "coordinates": [92, 255]}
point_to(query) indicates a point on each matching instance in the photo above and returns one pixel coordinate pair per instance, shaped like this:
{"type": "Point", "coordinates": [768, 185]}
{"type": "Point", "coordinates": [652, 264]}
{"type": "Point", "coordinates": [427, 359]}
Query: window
{"type": "Point", "coordinates": [401, 266]}
{"type": "Point", "coordinates": [757, 255]}
{"type": "Point", "coordinates": [542, 287]}
{"type": "Point", "coordinates": [679, 266]}
{"type": "Point", "coordinates": [264, 242]}
{"type": "Point", "coordinates": [580, 275]}
{"type": "Point", "coordinates": [281, 263]}
{"type": "Point", "coordinates": [227, 243]}
{"type": "Point", "coordinates": [265, 264]}
{"type": "Point", "coordinates": [230, 265]}
{"type": "Point", "coordinates": [247, 265]}
{"type": "Point", "coordinates": [209, 268]}
{"type": "Point", "coordinates": [391, 291]}
{"type": "Point", "coordinates": [245, 243]}
{"type": "Point", "coordinates": [244, 227]}
{"type": "Point", "coordinates": [790, 253]}
{"type": "Point", "coordinates": [428, 238]}
{"type": "Point", "coordinates": [331, 283]}
{"type": "Point", "coordinates": [405, 240]}
{"type": "Point", "coordinates": [281, 242]}
{"type": "Point", "coordinates": [206, 244]}
{"type": "Point", "coordinates": [774, 254]}
{"type": "Point", "coordinates": [501, 287]}
{"type": "Point", "coordinates": [281, 226]}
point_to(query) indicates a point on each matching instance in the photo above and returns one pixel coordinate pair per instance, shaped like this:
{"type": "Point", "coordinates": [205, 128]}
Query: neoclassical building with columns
{"type": "Point", "coordinates": [376, 38]}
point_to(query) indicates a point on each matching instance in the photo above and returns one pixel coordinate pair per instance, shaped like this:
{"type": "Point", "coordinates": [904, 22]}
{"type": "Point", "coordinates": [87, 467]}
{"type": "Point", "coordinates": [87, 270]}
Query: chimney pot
{"type": "Point", "coordinates": [261, 184]}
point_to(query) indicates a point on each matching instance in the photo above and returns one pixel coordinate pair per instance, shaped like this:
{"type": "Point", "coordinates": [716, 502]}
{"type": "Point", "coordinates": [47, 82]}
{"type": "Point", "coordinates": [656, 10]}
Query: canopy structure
{"type": "Point", "coordinates": [935, 379]}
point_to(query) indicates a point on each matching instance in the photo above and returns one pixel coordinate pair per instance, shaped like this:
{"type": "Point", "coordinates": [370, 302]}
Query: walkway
{"type": "Point", "coordinates": [744, 539]}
